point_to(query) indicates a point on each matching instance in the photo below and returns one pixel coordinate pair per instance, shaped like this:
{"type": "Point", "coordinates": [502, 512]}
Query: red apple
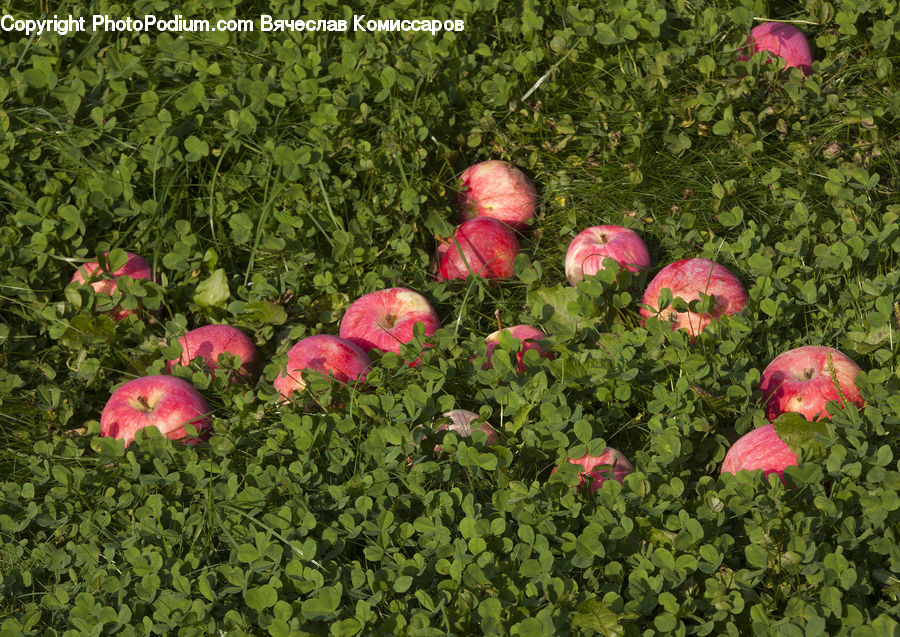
{"type": "Point", "coordinates": [806, 379]}
{"type": "Point", "coordinates": [209, 341]}
{"type": "Point", "coordinates": [165, 402]}
{"type": "Point", "coordinates": [500, 190]}
{"type": "Point", "coordinates": [327, 355]}
{"type": "Point", "coordinates": [591, 246]}
{"type": "Point", "coordinates": [611, 464]}
{"type": "Point", "coordinates": [384, 319]}
{"type": "Point", "coordinates": [482, 246]}
{"type": "Point", "coordinates": [783, 40]}
{"type": "Point", "coordinates": [687, 279]}
{"type": "Point", "coordinates": [461, 423]}
{"type": "Point", "coordinates": [528, 335]}
{"type": "Point", "coordinates": [759, 449]}
{"type": "Point", "coordinates": [103, 282]}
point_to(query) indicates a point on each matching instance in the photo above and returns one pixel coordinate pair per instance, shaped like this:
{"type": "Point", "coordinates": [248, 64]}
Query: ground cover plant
{"type": "Point", "coordinates": [271, 179]}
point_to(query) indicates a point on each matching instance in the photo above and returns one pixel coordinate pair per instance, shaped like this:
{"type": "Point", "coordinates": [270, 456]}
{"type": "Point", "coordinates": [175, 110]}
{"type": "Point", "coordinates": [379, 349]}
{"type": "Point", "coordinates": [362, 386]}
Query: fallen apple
{"type": "Point", "coordinates": [483, 246]}
{"type": "Point", "coordinates": [530, 337]}
{"type": "Point", "coordinates": [592, 245]}
{"type": "Point", "coordinates": [165, 402]}
{"type": "Point", "coordinates": [327, 355]}
{"type": "Point", "coordinates": [461, 421]}
{"type": "Point", "coordinates": [688, 279]}
{"type": "Point", "coordinates": [210, 341]}
{"type": "Point", "coordinates": [384, 319]}
{"type": "Point", "coordinates": [806, 379]}
{"type": "Point", "coordinates": [497, 189]}
{"type": "Point", "coordinates": [104, 282]}
{"type": "Point", "coordinates": [782, 40]}
{"type": "Point", "coordinates": [609, 465]}
{"type": "Point", "coordinates": [759, 449]}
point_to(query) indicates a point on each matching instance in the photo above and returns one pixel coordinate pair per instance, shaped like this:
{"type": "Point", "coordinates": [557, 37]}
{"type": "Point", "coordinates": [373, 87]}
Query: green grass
{"type": "Point", "coordinates": [272, 179]}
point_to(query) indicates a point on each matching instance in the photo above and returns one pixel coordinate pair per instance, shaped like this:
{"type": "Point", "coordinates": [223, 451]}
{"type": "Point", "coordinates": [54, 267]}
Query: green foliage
{"type": "Point", "coordinates": [272, 178]}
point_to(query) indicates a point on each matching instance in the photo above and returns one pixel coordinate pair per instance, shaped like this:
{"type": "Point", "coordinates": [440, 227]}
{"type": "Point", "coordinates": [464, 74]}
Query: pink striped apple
{"type": "Point", "coordinates": [500, 190]}
{"type": "Point", "coordinates": [609, 465]}
{"type": "Point", "coordinates": [806, 379]}
{"type": "Point", "coordinates": [106, 283]}
{"type": "Point", "coordinates": [384, 319]}
{"type": "Point", "coordinates": [209, 341]}
{"type": "Point", "coordinates": [165, 402]}
{"type": "Point", "coordinates": [782, 40]}
{"type": "Point", "coordinates": [327, 355]}
{"type": "Point", "coordinates": [759, 449]}
{"type": "Point", "coordinates": [482, 246]}
{"type": "Point", "coordinates": [530, 337]}
{"type": "Point", "coordinates": [461, 423]}
{"type": "Point", "coordinates": [687, 279]}
{"type": "Point", "coordinates": [592, 245]}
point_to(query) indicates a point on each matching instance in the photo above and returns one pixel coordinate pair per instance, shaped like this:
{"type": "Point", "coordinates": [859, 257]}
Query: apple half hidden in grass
{"type": "Point", "coordinates": [106, 283]}
{"type": "Point", "coordinates": [806, 379]}
{"type": "Point", "coordinates": [609, 465]}
{"type": "Point", "coordinates": [759, 449]}
{"type": "Point", "coordinates": [209, 341]}
{"type": "Point", "coordinates": [327, 355]}
{"type": "Point", "coordinates": [165, 402]}
{"type": "Point", "coordinates": [384, 319]}
{"type": "Point", "coordinates": [687, 279]}
{"type": "Point", "coordinates": [782, 40]}
{"type": "Point", "coordinates": [461, 423]}
{"type": "Point", "coordinates": [530, 337]}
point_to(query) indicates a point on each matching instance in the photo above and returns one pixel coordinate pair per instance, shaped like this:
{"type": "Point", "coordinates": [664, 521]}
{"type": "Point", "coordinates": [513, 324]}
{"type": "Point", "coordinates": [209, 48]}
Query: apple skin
{"type": "Point", "coordinates": [489, 248]}
{"type": "Point", "coordinates": [687, 278]}
{"type": "Point", "coordinates": [616, 468]}
{"type": "Point", "coordinates": [384, 319]}
{"type": "Point", "coordinates": [759, 449]}
{"type": "Point", "coordinates": [497, 189]}
{"type": "Point", "coordinates": [136, 267]}
{"type": "Point", "coordinates": [461, 423]}
{"type": "Point", "coordinates": [211, 340]}
{"type": "Point", "coordinates": [800, 380]}
{"type": "Point", "coordinates": [327, 355]}
{"type": "Point", "coordinates": [588, 249]}
{"type": "Point", "coordinates": [783, 40]}
{"type": "Point", "coordinates": [165, 402]}
{"type": "Point", "coordinates": [528, 335]}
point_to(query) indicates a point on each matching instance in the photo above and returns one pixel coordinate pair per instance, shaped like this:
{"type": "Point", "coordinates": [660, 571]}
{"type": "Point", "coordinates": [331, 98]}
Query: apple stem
{"type": "Point", "coordinates": [144, 403]}
{"type": "Point", "coordinates": [497, 316]}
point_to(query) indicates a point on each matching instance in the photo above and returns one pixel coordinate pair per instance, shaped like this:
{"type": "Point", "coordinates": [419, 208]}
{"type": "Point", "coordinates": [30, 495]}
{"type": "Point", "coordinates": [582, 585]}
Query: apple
{"type": "Point", "coordinates": [165, 402]}
{"type": "Point", "coordinates": [688, 278]}
{"type": "Point", "coordinates": [327, 355]}
{"type": "Point", "coordinates": [592, 245]}
{"type": "Point", "coordinates": [500, 190]}
{"type": "Point", "coordinates": [384, 319]}
{"type": "Point", "coordinates": [759, 449]}
{"type": "Point", "coordinates": [103, 282]}
{"type": "Point", "coordinates": [461, 423]}
{"type": "Point", "coordinates": [530, 337]}
{"type": "Point", "coordinates": [209, 341]}
{"type": "Point", "coordinates": [611, 464]}
{"type": "Point", "coordinates": [482, 246]}
{"type": "Point", "coordinates": [805, 379]}
{"type": "Point", "coordinates": [782, 40]}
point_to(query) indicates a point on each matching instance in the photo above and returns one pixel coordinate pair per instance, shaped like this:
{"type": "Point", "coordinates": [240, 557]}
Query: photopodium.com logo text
{"type": "Point", "coordinates": [180, 24]}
